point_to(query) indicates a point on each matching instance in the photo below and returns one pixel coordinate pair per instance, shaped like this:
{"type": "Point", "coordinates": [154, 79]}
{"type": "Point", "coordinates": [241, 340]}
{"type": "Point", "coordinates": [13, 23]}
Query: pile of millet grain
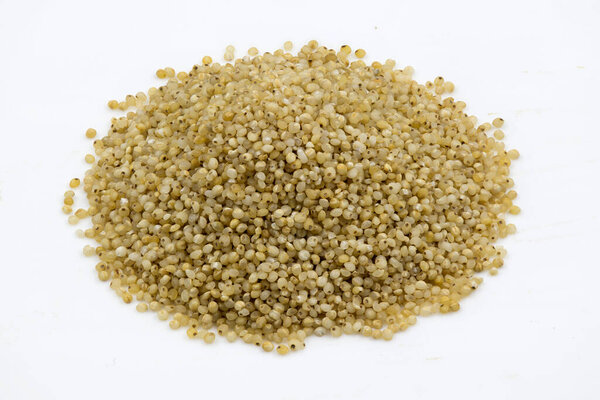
{"type": "Point", "coordinates": [285, 195]}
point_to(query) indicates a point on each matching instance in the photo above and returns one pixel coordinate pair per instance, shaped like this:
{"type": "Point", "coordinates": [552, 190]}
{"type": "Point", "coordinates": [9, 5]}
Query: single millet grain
{"type": "Point", "coordinates": [90, 133]}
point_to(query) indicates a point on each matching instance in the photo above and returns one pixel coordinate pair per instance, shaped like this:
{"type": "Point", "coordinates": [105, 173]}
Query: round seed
{"type": "Point", "coordinates": [89, 251]}
{"type": "Point", "coordinates": [141, 307]}
{"type": "Point", "coordinates": [90, 133]}
{"type": "Point", "coordinates": [169, 72]}
{"type": "Point", "coordinates": [209, 338]}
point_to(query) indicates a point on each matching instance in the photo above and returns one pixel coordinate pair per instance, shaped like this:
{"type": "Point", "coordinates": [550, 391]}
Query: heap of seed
{"type": "Point", "coordinates": [281, 196]}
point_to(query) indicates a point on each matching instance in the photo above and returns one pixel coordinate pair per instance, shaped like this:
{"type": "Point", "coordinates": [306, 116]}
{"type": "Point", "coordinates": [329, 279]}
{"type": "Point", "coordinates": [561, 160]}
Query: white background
{"type": "Point", "coordinates": [531, 331]}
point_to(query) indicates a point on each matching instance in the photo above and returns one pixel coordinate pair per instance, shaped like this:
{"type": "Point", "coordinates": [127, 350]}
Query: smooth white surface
{"type": "Point", "coordinates": [532, 331]}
